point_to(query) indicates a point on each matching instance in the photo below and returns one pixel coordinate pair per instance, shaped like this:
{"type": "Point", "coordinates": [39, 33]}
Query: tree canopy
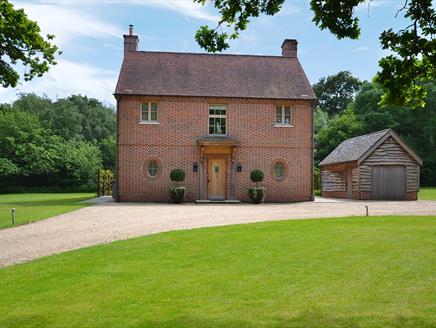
{"type": "Point", "coordinates": [21, 42]}
{"type": "Point", "coordinates": [61, 144]}
{"type": "Point", "coordinates": [403, 73]}
{"type": "Point", "coordinates": [336, 91]}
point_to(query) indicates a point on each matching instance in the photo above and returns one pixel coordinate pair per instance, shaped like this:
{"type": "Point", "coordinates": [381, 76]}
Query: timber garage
{"type": "Point", "coordinates": [377, 166]}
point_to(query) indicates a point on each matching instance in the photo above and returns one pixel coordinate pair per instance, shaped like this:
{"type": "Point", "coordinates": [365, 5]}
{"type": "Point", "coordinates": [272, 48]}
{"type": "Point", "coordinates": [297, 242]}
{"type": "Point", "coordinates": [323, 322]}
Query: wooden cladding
{"type": "Point", "coordinates": [389, 153]}
{"type": "Point", "coordinates": [355, 175]}
{"type": "Point", "coordinates": [334, 180]}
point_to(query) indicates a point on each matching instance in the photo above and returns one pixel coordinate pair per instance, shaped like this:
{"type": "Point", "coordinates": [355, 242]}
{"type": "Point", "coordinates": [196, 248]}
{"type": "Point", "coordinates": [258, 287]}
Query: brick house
{"type": "Point", "coordinates": [218, 117]}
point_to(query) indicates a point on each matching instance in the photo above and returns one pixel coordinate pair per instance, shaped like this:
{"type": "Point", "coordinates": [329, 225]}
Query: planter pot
{"type": "Point", "coordinates": [256, 194]}
{"type": "Point", "coordinates": [178, 194]}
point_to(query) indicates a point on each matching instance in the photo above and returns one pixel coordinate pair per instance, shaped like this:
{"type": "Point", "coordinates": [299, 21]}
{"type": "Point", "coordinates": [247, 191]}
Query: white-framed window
{"type": "Point", "coordinates": [149, 112]}
{"type": "Point", "coordinates": [283, 116]}
{"type": "Point", "coordinates": [217, 120]}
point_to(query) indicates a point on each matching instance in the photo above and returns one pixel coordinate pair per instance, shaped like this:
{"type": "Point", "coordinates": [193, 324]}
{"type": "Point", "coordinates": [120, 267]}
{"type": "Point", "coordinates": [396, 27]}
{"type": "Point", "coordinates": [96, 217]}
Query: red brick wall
{"type": "Point", "coordinates": [334, 194]}
{"type": "Point", "coordinates": [183, 120]}
{"type": "Point", "coordinates": [411, 195]}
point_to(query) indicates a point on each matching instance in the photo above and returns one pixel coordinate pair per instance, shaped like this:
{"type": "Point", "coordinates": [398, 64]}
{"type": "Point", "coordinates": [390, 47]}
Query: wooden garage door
{"type": "Point", "coordinates": [389, 182]}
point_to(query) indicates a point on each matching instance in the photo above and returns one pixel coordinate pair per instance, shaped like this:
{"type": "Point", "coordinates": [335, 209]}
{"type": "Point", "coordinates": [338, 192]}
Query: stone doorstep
{"type": "Point", "coordinates": [208, 201]}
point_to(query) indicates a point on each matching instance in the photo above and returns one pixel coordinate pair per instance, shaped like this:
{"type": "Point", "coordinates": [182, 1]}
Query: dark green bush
{"type": "Point", "coordinates": [316, 178]}
{"type": "Point", "coordinates": [256, 194]}
{"type": "Point", "coordinates": [177, 175]}
{"type": "Point", "coordinates": [177, 194]}
{"type": "Point", "coordinates": [256, 176]}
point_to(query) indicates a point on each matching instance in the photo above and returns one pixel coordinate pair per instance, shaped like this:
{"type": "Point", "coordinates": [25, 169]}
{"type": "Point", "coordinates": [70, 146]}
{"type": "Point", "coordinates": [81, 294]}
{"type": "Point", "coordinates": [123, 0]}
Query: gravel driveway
{"type": "Point", "coordinates": [108, 221]}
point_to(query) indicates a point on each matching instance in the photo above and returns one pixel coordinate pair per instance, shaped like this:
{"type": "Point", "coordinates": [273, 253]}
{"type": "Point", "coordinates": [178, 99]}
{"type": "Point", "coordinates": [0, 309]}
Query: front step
{"type": "Point", "coordinates": [208, 201]}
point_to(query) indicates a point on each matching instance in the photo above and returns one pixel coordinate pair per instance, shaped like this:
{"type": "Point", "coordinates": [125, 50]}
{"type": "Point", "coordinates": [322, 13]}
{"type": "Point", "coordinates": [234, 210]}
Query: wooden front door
{"type": "Point", "coordinates": [216, 179]}
{"type": "Point", "coordinates": [388, 182]}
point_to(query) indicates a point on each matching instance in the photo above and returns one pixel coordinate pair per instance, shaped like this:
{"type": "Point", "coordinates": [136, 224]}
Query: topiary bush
{"type": "Point", "coordinates": [177, 192]}
{"type": "Point", "coordinates": [257, 193]}
{"type": "Point", "coordinates": [177, 175]}
{"type": "Point", "coordinates": [256, 176]}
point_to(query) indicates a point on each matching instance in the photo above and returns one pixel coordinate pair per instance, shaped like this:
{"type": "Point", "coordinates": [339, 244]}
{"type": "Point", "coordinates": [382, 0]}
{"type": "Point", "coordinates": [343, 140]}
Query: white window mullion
{"type": "Point", "coordinates": [149, 112]}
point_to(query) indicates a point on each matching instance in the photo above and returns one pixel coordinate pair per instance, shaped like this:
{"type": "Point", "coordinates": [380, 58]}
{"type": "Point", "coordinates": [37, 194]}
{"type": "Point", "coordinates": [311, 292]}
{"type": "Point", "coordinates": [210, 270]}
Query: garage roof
{"type": "Point", "coordinates": [359, 148]}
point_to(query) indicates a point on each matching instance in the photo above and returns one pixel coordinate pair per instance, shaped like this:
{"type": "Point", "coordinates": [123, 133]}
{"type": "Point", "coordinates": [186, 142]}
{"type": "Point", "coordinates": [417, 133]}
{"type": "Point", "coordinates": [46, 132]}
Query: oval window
{"type": "Point", "coordinates": [152, 168]}
{"type": "Point", "coordinates": [279, 170]}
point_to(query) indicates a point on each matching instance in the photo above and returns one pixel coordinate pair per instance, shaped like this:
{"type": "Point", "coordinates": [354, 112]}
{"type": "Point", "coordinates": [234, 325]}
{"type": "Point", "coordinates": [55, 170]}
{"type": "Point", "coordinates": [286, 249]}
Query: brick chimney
{"type": "Point", "coordinates": [131, 41]}
{"type": "Point", "coordinates": [289, 48]}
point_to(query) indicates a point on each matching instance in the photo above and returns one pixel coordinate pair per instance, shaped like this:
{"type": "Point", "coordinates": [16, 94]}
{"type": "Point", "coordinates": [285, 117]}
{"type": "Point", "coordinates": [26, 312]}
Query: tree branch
{"type": "Point", "coordinates": [402, 8]}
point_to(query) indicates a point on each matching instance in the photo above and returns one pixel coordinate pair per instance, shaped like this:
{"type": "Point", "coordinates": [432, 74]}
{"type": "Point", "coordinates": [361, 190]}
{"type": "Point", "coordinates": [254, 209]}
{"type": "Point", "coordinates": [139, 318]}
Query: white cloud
{"type": "Point", "coordinates": [289, 9]}
{"type": "Point", "coordinates": [66, 78]}
{"type": "Point", "coordinates": [361, 49]}
{"type": "Point", "coordinates": [68, 23]}
{"type": "Point", "coordinates": [247, 36]}
{"type": "Point", "coordinates": [185, 7]}
{"type": "Point", "coordinates": [368, 5]}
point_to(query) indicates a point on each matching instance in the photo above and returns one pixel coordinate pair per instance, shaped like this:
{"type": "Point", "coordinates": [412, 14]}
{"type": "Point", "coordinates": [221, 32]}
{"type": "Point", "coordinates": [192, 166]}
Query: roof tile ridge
{"type": "Point", "coordinates": [207, 54]}
{"type": "Point", "coordinates": [368, 134]}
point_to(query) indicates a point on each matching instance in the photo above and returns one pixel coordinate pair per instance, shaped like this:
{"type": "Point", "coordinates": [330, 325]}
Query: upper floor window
{"type": "Point", "coordinates": [283, 115]}
{"type": "Point", "coordinates": [149, 112]}
{"type": "Point", "coordinates": [217, 120]}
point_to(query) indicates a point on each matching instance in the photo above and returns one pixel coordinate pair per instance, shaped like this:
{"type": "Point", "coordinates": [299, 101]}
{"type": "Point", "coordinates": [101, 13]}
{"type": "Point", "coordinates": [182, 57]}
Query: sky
{"type": "Point", "coordinates": [89, 33]}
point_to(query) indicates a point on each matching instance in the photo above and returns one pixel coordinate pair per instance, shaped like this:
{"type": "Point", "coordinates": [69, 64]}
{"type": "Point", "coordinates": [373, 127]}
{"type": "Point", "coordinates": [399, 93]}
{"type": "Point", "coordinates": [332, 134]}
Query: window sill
{"type": "Point", "coordinates": [149, 122]}
{"type": "Point", "coordinates": [283, 126]}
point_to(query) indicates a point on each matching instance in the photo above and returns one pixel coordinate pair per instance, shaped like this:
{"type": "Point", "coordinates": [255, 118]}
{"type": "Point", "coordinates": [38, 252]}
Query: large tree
{"type": "Point", "coordinates": [21, 43]}
{"type": "Point", "coordinates": [336, 91]}
{"type": "Point", "coordinates": [31, 155]}
{"type": "Point", "coordinates": [402, 74]}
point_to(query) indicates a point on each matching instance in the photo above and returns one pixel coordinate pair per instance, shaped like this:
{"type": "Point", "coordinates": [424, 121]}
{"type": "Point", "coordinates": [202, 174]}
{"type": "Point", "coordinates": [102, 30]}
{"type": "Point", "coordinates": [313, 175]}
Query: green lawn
{"type": "Point", "coordinates": [428, 193]}
{"type": "Point", "coordinates": [34, 207]}
{"type": "Point", "coordinates": [352, 272]}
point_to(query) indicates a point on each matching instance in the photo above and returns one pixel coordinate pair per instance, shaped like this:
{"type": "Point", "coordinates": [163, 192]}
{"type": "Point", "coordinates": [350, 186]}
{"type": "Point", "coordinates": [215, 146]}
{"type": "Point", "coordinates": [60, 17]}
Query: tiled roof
{"type": "Point", "coordinates": [210, 75]}
{"type": "Point", "coordinates": [353, 149]}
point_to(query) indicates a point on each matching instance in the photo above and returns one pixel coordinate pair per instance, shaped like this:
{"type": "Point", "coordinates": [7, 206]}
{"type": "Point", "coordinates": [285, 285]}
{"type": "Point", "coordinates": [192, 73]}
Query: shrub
{"type": "Point", "coordinates": [177, 192]}
{"type": "Point", "coordinates": [105, 180]}
{"type": "Point", "coordinates": [316, 178]}
{"type": "Point", "coordinates": [256, 194]}
{"type": "Point", "coordinates": [256, 176]}
{"type": "Point", "coordinates": [177, 175]}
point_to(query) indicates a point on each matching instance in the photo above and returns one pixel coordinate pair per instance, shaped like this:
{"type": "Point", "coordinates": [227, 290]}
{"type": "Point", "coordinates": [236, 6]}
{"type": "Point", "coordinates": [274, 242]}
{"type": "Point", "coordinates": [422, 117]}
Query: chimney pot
{"type": "Point", "coordinates": [289, 48]}
{"type": "Point", "coordinates": [131, 40]}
